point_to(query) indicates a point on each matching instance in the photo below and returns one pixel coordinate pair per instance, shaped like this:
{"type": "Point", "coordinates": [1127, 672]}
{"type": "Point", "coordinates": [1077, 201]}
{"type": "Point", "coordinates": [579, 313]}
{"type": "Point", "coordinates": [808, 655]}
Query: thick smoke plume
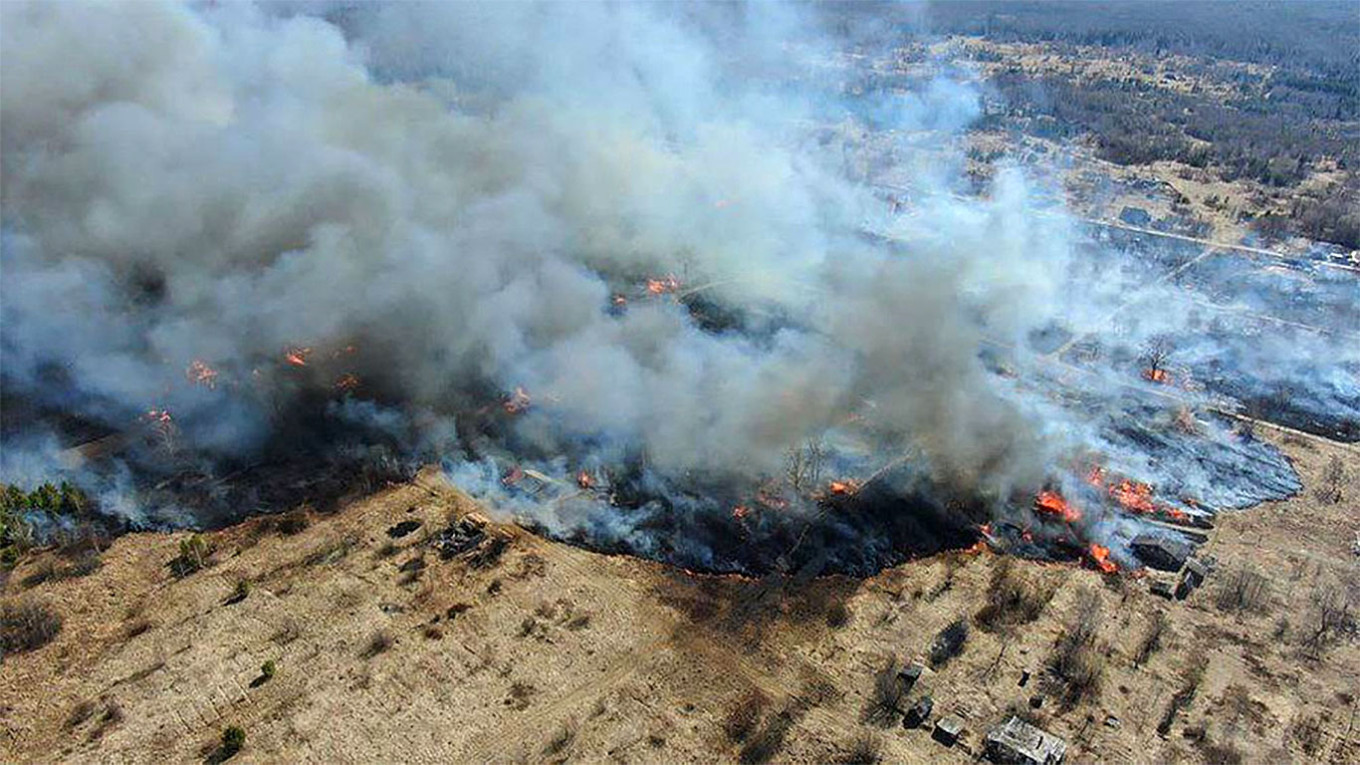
{"type": "Point", "coordinates": [410, 218]}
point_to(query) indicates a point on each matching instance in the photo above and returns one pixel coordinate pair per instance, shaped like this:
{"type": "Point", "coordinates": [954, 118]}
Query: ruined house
{"type": "Point", "coordinates": [948, 730]}
{"type": "Point", "coordinates": [1164, 552]}
{"type": "Point", "coordinates": [1196, 571]}
{"type": "Point", "coordinates": [1018, 742]}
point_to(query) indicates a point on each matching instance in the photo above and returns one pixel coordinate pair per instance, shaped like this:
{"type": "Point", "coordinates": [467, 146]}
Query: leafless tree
{"type": "Point", "coordinates": [1330, 490]}
{"type": "Point", "coordinates": [1334, 607]}
{"type": "Point", "coordinates": [803, 465]}
{"type": "Point", "coordinates": [1156, 352]}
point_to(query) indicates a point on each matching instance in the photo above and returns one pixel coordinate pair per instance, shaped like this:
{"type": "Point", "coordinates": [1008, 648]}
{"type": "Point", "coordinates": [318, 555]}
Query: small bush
{"type": "Point", "coordinates": [1243, 589]}
{"type": "Point", "coordinates": [768, 740]}
{"type": "Point", "coordinates": [1076, 658]}
{"type": "Point", "coordinates": [27, 625]}
{"type": "Point", "coordinates": [1012, 598]}
{"type": "Point", "coordinates": [194, 551]}
{"type": "Point", "coordinates": [562, 739]}
{"type": "Point", "coordinates": [240, 592]}
{"type": "Point", "coordinates": [233, 738]}
{"type": "Point", "coordinates": [866, 749]}
{"type": "Point", "coordinates": [885, 700]}
{"type": "Point", "coordinates": [948, 643]}
{"type": "Point", "coordinates": [837, 615]}
{"type": "Point", "coordinates": [1152, 639]}
{"type": "Point", "coordinates": [742, 718]}
{"type": "Point", "coordinates": [379, 642]}
{"type": "Point", "coordinates": [268, 670]}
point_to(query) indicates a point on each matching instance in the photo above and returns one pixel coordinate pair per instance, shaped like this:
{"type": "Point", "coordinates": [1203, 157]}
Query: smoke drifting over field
{"type": "Point", "coordinates": [437, 224]}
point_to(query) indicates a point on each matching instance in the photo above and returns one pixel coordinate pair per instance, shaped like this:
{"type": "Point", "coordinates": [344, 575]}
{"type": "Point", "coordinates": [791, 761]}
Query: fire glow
{"type": "Point", "coordinates": [517, 402]}
{"type": "Point", "coordinates": [667, 284]}
{"type": "Point", "coordinates": [1053, 503]}
{"type": "Point", "coordinates": [297, 356]}
{"type": "Point", "coordinates": [199, 373]}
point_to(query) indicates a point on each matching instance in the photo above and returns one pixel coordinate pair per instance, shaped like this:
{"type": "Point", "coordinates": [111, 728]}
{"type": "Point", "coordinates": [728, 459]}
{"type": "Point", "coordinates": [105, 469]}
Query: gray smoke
{"type": "Point", "coordinates": [446, 202]}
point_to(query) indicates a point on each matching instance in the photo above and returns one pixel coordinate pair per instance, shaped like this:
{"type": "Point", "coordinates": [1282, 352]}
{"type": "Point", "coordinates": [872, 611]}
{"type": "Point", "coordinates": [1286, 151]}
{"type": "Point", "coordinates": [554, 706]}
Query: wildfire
{"type": "Point", "coordinates": [346, 382]}
{"type": "Point", "coordinates": [1053, 503]}
{"type": "Point", "coordinates": [843, 488]}
{"type": "Point", "coordinates": [740, 512]}
{"type": "Point", "coordinates": [1096, 477]}
{"type": "Point", "coordinates": [1100, 556]}
{"type": "Point", "coordinates": [514, 476]}
{"type": "Point", "coordinates": [158, 417]}
{"type": "Point", "coordinates": [518, 401]}
{"type": "Point", "coordinates": [771, 500]}
{"type": "Point", "coordinates": [664, 285]}
{"type": "Point", "coordinates": [1134, 496]}
{"type": "Point", "coordinates": [297, 356]}
{"type": "Point", "coordinates": [199, 373]}
{"type": "Point", "coordinates": [619, 300]}
{"type": "Point", "coordinates": [585, 480]}
{"type": "Point", "coordinates": [1157, 376]}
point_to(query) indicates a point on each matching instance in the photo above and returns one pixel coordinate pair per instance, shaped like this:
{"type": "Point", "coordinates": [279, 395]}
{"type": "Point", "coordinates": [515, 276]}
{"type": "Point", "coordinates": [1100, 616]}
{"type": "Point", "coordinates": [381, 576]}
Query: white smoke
{"type": "Point", "coordinates": [459, 191]}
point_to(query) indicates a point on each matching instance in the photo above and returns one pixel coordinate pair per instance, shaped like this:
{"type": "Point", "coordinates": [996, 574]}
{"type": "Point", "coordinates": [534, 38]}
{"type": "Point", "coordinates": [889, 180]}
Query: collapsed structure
{"type": "Point", "coordinates": [1016, 742]}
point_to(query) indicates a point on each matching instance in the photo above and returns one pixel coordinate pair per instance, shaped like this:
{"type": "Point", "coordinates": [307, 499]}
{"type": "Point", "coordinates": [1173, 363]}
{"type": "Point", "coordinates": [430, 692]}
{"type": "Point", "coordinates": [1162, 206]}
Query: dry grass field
{"type": "Point", "coordinates": [542, 652]}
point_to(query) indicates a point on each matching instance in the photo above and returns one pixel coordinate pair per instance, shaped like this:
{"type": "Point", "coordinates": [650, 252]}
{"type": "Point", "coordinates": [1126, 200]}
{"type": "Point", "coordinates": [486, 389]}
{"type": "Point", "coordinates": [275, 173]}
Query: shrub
{"type": "Point", "coordinates": [1076, 658]}
{"type": "Point", "coordinates": [233, 738]}
{"type": "Point", "coordinates": [240, 592]}
{"type": "Point", "coordinates": [378, 642]}
{"type": "Point", "coordinates": [193, 555]}
{"type": "Point", "coordinates": [1243, 589]}
{"type": "Point", "coordinates": [837, 615]}
{"type": "Point", "coordinates": [742, 718]}
{"type": "Point", "coordinates": [1152, 639]}
{"type": "Point", "coordinates": [268, 669]}
{"type": "Point", "coordinates": [866, 749]}
{"type": "Point", "coordinates": [948, 643]}
{"type": "Point", "coordinates": [1012, 598]}
{"type": "Point", "coordinates": [562, 739]}
{"type": "Point", "coordinates": [885, 700]}
{"type": "Point", "coordinates": [27, 625]}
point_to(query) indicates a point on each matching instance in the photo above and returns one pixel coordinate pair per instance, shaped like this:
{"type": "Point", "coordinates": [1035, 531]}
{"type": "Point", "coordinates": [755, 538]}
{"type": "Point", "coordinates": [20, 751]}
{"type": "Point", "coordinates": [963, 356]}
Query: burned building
{"type": "Point", "coordinates": [1016, 741]}
{"type": "Point", "coordinates": [1164, 552]}
{"type": "Point", "coordinates": [1196, 571]}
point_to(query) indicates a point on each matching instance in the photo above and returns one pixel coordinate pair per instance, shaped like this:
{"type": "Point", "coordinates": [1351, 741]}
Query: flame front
{"type": "Point", "coordinates": [666, 284]}
{"type": "Point", "coordinates": [1053, 503]}
{"type": "Point", "coordinates": [585, 480]}
{"type": "Point", "coordinates": [1100, 556]}
{"type": "Point", "coordinates": [199, 373]}
{"type": "Point", "coordinates": [297, 356]}
{"type": "Point", "coordinates": [518, 401]}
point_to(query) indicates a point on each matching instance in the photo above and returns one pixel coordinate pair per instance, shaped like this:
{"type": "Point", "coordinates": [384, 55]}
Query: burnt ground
{"type": "Point", "coordinates": [518, 649]}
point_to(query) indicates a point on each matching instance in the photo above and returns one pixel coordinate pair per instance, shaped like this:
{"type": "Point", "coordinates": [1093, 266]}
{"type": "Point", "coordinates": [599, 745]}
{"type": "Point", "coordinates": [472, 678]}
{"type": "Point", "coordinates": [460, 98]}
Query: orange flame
{"type": "Point", "coordinates": [843, 488]}
{"type": "Point", "coordinates": [664, 285]}
{"type": "Point", "coordinates": [1100, 556]}
{"type": "Point", "coordinates": [1097, 476]}
{"type": "Point", "coordinates": [159, 417]}
{"type": "Point", "coordinates": [199, 373]}
{"type": "Point", "coordinates": [1053, 503]}
{"type": "Point", "coordinates": [297, 356]}
{"type": "Point", "coordinates": [619, 300]}
{"type": "Point", "coordinates": [518, 401]}
{"type": "Point", "coordinates": [584, 480]}
{"type": "Point", "coordinates": [1134, 496]}
{"type": "Point", "coordinates": [1156, 375]}
{"type": "Point", "coordinates": [346, 382]}
{"type": "Point", "coordinates": [740, 512]}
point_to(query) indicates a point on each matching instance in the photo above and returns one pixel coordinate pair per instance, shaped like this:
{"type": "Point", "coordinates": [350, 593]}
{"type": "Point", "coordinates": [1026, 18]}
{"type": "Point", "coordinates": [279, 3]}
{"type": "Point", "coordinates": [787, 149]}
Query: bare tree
{"type": "Point", "coordinates": [1156, 352]}
{"type": "Point", "coordinates": [1333, 614]}
{"type": "Point", "coordinates": [1330, 490]}
{"type": "Point", "coordinates": [803, 465]}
